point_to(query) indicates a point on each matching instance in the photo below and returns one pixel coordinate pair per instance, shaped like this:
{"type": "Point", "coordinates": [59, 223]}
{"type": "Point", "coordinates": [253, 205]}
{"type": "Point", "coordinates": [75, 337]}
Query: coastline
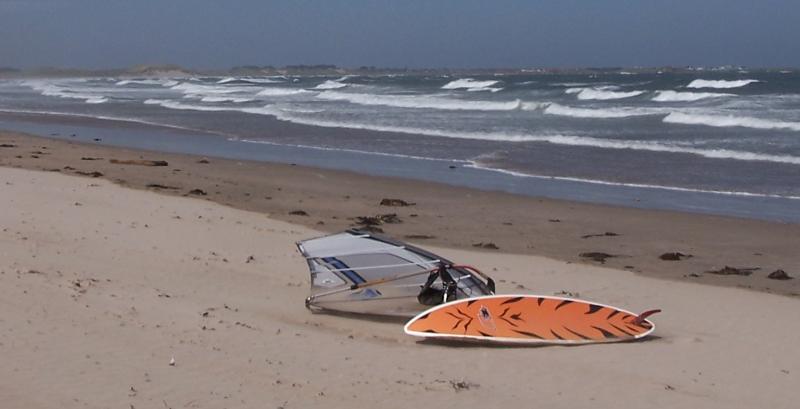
{"type": "Point", "coordinates": [103, 286]}
{"type": "Point", "coordinates": [448, 216]}
{"type": "Point", "coordinates": [280, 146]}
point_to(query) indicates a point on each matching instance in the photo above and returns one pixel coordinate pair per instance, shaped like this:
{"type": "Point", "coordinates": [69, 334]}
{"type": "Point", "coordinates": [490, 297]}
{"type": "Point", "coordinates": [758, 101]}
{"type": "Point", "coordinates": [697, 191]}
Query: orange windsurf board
{"type": "Point", "coordinates": [530, 319]}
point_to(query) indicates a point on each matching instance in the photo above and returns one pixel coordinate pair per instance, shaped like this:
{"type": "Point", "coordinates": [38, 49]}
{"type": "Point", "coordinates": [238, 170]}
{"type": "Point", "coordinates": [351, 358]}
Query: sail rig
{"type": "Point", "coordinates": [366, 273]}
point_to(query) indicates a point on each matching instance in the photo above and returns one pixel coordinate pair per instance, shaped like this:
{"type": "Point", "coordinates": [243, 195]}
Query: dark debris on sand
{"type": "Point", "coordinates": [140, 162]}
{"type": "Point", "coordinates": [728, 271]}
{"type": "Point", "coordinates": [674, 256]}
{"type": "Point", "coordinates": [462, 385]}
{"type": "Point", "coordinates": [395, 202]}
{"type": "Point", "coordinates": [160, 186]}
{"type": "Point", "coordinates": [94, 174]}
{"type": "Point", "coordinates": [298, 213]}
{"type": "Point", "coordinates": [377, 220]}
{"type": "Point", "coordinates": [372, 229]}
{"type": "Point", "coordinates": [419, 237]}
{"type": "Point", "coordinates": [197, 192]}
{"type": "Point", "coordinates": [606, 234]}
{"type": "Point", "coordinates": [597, 256]}
{"type": "Point", "coordinates": [488, 245]}
{"type": "Point", "coordinates": [779, 275]}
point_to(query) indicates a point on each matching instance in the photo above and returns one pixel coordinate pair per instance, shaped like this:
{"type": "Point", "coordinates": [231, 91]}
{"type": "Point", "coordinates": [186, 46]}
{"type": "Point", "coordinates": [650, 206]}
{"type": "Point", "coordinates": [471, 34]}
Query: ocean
{"type": "Point", "coordinates": [714, 142]}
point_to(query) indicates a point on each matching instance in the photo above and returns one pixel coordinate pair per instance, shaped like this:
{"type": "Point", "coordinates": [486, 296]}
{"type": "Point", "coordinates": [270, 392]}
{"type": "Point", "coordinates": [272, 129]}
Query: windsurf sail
{"type": "Point", "coordinates": [367, 273]}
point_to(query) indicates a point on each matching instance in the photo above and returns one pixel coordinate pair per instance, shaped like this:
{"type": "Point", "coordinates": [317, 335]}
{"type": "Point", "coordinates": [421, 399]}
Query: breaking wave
{"type": "Point", "coordinates": [52, 90]}
{"type": "Point", "coordinates": [281, 92]}
{"type": "Point", "coordinates": [561, 110]}
{"type": "Point", "coordinates": [161, 82]}
{"type": "Point", "coordinates": [720, 83]}
{"type": "Point", "coordinates": [490, 89]}
{"type": "Point", "coordinates": [171, 104]}
{"type": "Point", "coordinates": [166, 103]}
{"type": "Point", "coordinates": [200, 89]}
{"type": "Point", "coordinates": [729, 121]}
{"type": "Point", "coordinates": [568, 140]}
{"type": "Point", "coordinates": [419, 101]}
{"type": "Point", "coordinates": [573, 84]}
{"type": "Point", "coordinates": [226, 99]}
{"type": "Point", "coordinates": [247, 80]}
{"type": "Point", "coordinates": [554, 139]}
{"type": "Point", "coordinates": [601, 94]}
{"type": "Point", "coordinates": [331, 84]}
{"type": "Point", "coordinates": [675, 96]}
{"type": "Point", "coordinates": [470, 84]}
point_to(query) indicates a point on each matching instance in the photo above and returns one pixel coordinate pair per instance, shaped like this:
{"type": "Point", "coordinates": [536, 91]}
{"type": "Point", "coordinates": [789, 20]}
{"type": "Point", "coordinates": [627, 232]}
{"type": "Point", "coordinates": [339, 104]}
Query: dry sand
{"type": "Point", "coordinates": [100, 286]}
{"type": "Point", "coordinates": [447, 216]}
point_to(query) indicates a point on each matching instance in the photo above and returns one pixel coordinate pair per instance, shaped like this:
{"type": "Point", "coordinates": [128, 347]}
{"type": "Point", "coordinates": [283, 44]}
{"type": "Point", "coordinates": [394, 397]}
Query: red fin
{"type": "Point", "coordinates": [643, 316]}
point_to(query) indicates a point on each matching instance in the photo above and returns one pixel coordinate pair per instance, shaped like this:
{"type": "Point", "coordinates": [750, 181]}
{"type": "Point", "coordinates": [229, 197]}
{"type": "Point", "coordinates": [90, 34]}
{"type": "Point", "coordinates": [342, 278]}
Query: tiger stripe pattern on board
{"type": "Point", "coordinates": [534, 318]}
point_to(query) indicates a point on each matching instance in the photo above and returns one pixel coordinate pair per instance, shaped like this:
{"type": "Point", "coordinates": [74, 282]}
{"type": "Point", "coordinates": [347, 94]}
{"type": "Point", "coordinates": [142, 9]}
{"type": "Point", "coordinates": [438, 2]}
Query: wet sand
{"type": "Point", "coordinates": [442, 215]}
{"type": "Point", "coordinates": [101, 287]}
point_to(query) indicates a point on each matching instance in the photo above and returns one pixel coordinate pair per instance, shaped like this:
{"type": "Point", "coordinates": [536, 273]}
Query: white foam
{"type": "Point", "coordinates": [166, 103]}
{"type": "Point", "coordinates": [602, 95]}
{"type": "Point", "coordinates": [419, 101]}
{"type": "Point", "coordinates": [201, 89]}
{"type": "Point", "coordinates": [171, 104]}
{"type": "Point", "coordinates": [490, 89]}
{"type": "Point", "coordinates": [226, 99]}
{"type": "Point", "coordinates": [54, 90]}
{"type": "Point", "coordinates": [561, 110]}
{"type": "Point", "coordinates": [499, 136]}
{"type": "Point", "coordinates": [533, 106]}
{"type": "Point", "coordinates": [161, 82]}
{"type": "Point", "coordinates": [674, 96]}
{"type": "Point", "coordinates": [298, 110]}
{"type": "Point", "coordinates": [573, 84]}
{"type": "Point", "coordinates": [280, 92]}
{"type": "Point", "coordinates": [719, 83]}
{"type": "Point", "coordinates": [558, 140]}
{"type": "Point", "coordinates": [330, 84]}
{"type": "Point", "coordinates": [139, 82]}
{"type": "Point", "coordinates": [729, 121]}
{"type": "Point", "coordinates": [470, 84]}
{"type": "Point", "coordinates": [251, 80]}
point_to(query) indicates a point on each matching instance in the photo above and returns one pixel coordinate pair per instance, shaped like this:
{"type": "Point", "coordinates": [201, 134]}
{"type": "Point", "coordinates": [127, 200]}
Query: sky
{"type": "Point", "coordinates": [209, 34]}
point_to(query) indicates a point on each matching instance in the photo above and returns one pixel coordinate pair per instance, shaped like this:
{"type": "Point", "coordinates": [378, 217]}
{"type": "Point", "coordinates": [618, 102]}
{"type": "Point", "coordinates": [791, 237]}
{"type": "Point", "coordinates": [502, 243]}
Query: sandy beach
{"type": "Point", "coordinates": [301, 205]}
{"type": "Point", "coordinates": [447, 216]}
{"type": "Point", "coordinates": [101, 286]}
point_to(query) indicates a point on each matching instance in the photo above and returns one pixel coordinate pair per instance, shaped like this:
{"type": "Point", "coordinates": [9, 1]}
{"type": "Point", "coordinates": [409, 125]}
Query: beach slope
{"type": "Point", "coordinates": [102, 286]}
